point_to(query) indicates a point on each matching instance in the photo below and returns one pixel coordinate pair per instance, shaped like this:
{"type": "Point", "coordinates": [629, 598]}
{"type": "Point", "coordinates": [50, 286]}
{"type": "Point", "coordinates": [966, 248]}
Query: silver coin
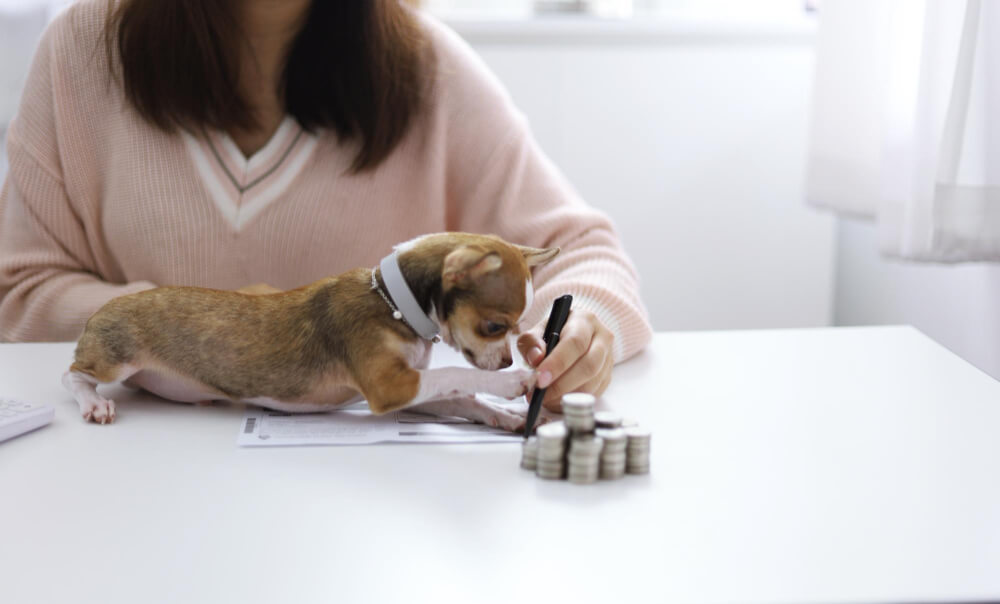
{"type": "Point", "coordinates": [608, 419]}
{"type": "Point", "coordinates": [612, 435]}
{"type": "Point", "coordinates": [644, 470]}
{"type": "Point", "coordinates": [579, 399]}
{"type": "Point", "coordinates": [638, 433]}
{"type": "Point", "coordinates": [554, 430]}
{"type": "Point", "coordinates": [550, 445]}
{"type": "Point", "coordinates": [586, 443]}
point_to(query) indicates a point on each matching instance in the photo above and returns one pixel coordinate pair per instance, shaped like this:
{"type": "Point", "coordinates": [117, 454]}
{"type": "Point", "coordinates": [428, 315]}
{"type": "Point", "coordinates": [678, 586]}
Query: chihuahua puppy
{"type": "Point", "coordinates": [366, 333]}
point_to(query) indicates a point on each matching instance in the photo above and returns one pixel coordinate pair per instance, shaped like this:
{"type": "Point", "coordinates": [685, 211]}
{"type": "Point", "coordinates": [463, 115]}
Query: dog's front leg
{"type": "Point", "coordinates": [510, 417]}
{"type": "Point", "coordinates": [400, 387]}
{"type": "Point", "coordinates": [450, 382]}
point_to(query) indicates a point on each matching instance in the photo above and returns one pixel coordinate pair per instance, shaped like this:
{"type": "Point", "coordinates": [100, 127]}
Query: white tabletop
{"type": "Point", "coordinates": [847, 465]}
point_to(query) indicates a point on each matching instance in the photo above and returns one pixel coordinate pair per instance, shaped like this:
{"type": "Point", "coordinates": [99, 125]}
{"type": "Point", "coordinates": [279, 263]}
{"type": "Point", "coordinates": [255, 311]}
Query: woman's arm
{"type": "Point", "coordinates": [49, 279]}
{"type": "Point", "coordinates": [48, 284]}
{"type": "Point", "coordinates": [499, 181]}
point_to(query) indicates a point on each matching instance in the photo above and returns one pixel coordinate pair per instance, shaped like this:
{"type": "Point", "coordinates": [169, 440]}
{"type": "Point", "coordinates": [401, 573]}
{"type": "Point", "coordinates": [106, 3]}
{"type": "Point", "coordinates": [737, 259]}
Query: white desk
{"type": "Point", "coordinates": [839, 465]}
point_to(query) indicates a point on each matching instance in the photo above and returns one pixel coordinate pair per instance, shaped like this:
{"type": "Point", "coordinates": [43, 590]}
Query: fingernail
{"type": "Point", "coordinates": [544, 379]}
{"type": "Point", "coordinates": [536, 355]}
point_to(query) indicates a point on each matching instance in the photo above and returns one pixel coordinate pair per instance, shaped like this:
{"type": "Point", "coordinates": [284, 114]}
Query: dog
{"type": "Point", "coordinates": [364, 334]}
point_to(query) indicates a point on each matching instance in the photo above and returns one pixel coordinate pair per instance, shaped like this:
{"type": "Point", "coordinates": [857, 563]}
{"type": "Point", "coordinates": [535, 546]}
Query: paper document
{"type": "Point", "coordinates": [356, 425]}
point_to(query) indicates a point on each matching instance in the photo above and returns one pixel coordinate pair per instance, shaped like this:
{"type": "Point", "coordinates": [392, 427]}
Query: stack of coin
{"type": "Point", "coordinates": [637, 458]}
{"type": "Point", "coordinates": [551, 450]}
{"type": "Point", "coordinates": [613, 454]}
{"type": "Point", "coordinates": [607, 419]}
{"type": "Point", "coordinates": [584, 459]}
{"type": "Point", "coordinates": [578, 409]}
{"type": "Point", "coordinates": [529, 453]}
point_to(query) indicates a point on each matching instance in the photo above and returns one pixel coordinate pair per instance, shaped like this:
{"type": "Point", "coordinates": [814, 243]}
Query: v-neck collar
{"type": "Point", "coordinates": [242, 186]}
{"type": "Point", "coordinates": [246, 172]}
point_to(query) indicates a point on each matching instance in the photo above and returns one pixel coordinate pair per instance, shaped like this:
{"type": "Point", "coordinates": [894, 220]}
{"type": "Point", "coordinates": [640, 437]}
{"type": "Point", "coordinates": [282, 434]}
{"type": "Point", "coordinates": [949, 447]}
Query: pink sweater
{"type": "Point", "coordinates": [98, 203]}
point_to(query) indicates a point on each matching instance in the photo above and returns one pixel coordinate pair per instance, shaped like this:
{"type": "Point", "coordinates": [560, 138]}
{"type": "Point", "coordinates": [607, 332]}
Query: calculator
{"type": "Point", "coordinates": [18, 417]}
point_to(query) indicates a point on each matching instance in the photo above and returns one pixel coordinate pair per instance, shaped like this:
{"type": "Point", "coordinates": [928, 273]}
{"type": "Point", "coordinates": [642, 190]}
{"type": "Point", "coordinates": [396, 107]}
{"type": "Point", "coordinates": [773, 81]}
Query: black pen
{"type": "Point", "coordinates": [557, 318]}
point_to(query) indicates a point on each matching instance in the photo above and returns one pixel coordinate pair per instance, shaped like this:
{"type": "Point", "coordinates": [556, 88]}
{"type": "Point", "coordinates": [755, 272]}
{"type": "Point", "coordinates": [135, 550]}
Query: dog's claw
{"type": "Point", "coordinates": [100, 411]}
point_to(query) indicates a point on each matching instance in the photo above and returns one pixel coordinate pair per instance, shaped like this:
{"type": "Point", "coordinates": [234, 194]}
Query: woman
{"type": "Point", "coordinates": [221, 144]}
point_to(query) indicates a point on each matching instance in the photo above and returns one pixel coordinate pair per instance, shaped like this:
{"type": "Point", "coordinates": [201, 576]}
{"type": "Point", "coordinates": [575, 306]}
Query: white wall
{"type": "Point", "coordinates": [957, 305]}
{"type": "Point", "coordinates": [692, 136]}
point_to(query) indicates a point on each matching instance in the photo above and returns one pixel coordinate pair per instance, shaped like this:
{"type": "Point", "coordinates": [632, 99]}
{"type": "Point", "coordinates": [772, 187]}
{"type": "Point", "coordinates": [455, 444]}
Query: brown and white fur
{"type": "Point", "coordinates": [326, 344]}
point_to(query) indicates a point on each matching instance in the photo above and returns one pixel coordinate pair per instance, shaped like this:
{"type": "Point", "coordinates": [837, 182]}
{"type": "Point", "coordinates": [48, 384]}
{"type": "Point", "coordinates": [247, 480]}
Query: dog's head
{"type": "Point", "coordinates": [485, 290]}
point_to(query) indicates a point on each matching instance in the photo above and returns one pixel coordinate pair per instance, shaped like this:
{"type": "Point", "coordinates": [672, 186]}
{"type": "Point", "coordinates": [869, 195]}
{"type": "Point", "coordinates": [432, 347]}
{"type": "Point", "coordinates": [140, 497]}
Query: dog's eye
{"type": "Point", "coordinates": [492, 329]}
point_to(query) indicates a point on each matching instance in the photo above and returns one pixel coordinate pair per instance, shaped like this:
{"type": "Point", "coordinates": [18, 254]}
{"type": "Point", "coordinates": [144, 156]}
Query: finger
{"type": "Point", "coordinates": [588, 368]}
{"type": "Point", "coordinates": [599, 384]}
{"type": "Point", "coordinates": [596, 386]}
{"type": "Point", "coordinates": [573, 344]}
{"type": "Point", "coordinates": [531, 346]}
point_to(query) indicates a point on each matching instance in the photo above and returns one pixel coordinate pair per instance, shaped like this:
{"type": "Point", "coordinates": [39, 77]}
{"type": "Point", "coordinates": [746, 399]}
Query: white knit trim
{"type": "Point", "coordinates": [240, 210]}
{"type": "Point", "coordinates": [216, 189]}
{"type": "Point", "coordinates": [266, 155]}
{"type": "Point", "coordinates": [256, 200]}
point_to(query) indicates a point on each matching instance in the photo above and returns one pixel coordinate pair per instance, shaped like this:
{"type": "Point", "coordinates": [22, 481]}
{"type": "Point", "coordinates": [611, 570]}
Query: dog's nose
{"type": "Point", "coordinates": [506, 362]}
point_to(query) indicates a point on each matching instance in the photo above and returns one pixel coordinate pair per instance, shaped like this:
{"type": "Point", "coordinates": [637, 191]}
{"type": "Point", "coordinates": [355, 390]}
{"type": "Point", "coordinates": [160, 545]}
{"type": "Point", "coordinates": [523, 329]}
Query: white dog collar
{"type": "Point", "coordinates": [403, 303]}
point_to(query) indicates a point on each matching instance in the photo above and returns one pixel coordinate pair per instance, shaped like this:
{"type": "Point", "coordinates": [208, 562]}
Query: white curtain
{"type": "Point", "coordinates": [901, 123]}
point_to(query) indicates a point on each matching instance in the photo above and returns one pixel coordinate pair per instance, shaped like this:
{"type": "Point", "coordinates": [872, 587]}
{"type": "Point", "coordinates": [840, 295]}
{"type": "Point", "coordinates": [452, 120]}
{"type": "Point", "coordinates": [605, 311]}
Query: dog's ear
{"type": "Point", "coordinates": [468, 264]}
{"type": "Point", "coordinates": [535, 256]}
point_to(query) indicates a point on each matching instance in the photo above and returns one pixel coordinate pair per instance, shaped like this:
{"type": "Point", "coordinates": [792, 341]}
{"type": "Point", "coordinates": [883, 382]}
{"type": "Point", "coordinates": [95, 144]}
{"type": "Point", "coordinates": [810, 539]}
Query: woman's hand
{"type": "Point", "coordinates": [259, 289]}
{"type": "Point", "coordinates": [580, 362]}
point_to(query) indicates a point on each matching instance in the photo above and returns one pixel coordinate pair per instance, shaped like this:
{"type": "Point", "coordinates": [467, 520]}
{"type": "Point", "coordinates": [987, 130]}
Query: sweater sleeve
{"type": "Point", "coordinates": [49, 279]}
{"type": "Point", "coordinates": [500, 182]}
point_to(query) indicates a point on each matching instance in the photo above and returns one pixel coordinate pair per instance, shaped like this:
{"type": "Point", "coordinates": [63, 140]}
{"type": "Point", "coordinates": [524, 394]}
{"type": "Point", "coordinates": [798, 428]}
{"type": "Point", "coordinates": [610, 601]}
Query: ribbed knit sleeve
{"type": "Point", "coordinates": [49, 284]}
{"type": "Point", "coordinates": [499, 181]}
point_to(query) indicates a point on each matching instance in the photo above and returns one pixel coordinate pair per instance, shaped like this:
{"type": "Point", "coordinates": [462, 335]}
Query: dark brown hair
{"type": "Point", "coordinates": [360, 67]}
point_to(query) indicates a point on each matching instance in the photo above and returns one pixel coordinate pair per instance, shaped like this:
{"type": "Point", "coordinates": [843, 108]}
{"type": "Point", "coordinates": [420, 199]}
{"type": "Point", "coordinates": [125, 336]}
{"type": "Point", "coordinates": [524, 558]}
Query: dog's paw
{"type": "Point", "coordinates": [513, 384]}
{"type": "Point", "coordinates": [514, 417]}
{"type": "Point", "coordinates": [508, 417]}
{"type": "Point", "coordinates": [98, 410]}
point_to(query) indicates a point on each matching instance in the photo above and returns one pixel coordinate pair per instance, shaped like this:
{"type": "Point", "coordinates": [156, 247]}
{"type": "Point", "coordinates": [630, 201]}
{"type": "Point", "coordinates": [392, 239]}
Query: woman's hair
{"type": "Point", "coordinates": [360, 67]}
